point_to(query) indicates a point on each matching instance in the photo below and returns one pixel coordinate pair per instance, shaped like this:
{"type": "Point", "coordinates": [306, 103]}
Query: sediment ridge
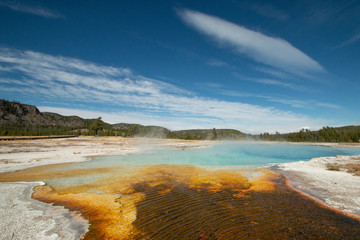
{"type": "Point", "coordinates": [23, 217]}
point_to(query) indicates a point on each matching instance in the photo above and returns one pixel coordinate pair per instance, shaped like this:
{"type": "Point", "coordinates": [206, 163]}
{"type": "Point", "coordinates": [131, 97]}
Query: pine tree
{"type": "Point", "coordinates": [97, 125]}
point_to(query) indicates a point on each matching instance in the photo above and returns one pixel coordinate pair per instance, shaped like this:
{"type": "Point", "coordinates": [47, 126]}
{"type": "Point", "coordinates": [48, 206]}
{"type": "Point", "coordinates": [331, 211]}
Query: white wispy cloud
{"type": "Point", "coordinates": [330, 12]}
{"type": "Point", "coordinates": [269, 11]}
{"type": "Point", "coordinates": [135, 98]}
{"type": "Point", "coordinates": [295, 103]}
{"type": "Point", "coordinates": [349, 41]}
{"type": "Point", "coordinates": [308, 104]}
{"type": "Point", "coordinates": [273, 82]}
{"type": "Point", "coordinates": [216, 63]}
{"type": "Point", "coordinates": [35, 10]}
{"type": "Point", "coordinates": [273, 72]}
{"type": "Point", "coordinates": [271, 51]}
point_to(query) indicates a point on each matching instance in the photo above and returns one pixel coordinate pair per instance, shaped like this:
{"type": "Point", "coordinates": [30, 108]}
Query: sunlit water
{"type": "Point", "coordinates": [176, 194]}
{"type": "Point", "coordinates": [225, 154]}
{"type": "Point", "coordinates": [218, 155]}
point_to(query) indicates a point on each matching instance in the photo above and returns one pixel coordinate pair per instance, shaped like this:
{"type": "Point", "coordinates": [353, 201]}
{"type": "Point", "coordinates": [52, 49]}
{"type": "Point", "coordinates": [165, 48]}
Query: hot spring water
{"type": "Point", "coordinates": [224, 154]}
{"type": "Point", "coordinates": [175, 194]}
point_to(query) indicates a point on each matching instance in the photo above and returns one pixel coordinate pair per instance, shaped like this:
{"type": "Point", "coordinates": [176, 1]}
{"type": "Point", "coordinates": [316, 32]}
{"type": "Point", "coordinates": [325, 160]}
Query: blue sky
{"type": "Point", "coordinates": [254, 66]}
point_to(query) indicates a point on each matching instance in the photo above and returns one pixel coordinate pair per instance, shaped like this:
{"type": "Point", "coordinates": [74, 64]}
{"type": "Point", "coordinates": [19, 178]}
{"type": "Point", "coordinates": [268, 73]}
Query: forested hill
{"type": "Point", "coordinates": [326, 134]}
{"type": "Point", "coordinates": [18, 119]}
{"type": "Point", "coordinates": [17, 114]}
{"type": "Point", "coordinates": [212, 134]}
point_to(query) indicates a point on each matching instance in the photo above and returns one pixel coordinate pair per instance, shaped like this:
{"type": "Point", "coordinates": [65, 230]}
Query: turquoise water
{"type": "Point", "coordinates": [217, 155]}
{"type": "Point", "coordinates": [225, 154]}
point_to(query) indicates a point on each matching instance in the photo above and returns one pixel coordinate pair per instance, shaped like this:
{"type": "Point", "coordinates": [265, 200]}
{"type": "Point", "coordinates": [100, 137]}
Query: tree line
{"type": "Point", "coordinates": [326, 134]}
{"type": "Point", "coordinates": [97, 127]}
{"type": "Point", "coordinates": [14, 121]}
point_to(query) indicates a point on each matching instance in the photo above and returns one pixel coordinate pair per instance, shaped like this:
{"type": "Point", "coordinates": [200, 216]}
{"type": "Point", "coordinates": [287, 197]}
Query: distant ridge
{"type": "Point", "coordinates": [15, 113]}
{"type": "Point", "coordinates": [17, 119]}
{"type": "Point", "coordinates": [22, 119]}
{"type": "Point", "coordinates": [212, 134]}
{"type": "Point", "coordinates": [129, 130]}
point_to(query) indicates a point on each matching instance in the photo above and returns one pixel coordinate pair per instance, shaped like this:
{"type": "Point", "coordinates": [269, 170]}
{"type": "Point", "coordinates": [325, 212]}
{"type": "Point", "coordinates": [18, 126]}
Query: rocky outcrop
{"type": "Point", "coordinates": [17, 114]}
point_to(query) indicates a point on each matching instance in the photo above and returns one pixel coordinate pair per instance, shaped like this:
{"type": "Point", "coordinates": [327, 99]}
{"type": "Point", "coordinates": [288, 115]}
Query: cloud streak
{"type": "Point", "coordinates": [270, 11]}
{"type": "Point", "coordinates": [273, 72]}
{"type": "Point", "coordinates": [350, 41]}
{"type": "Point", "coordinates": [271, 82]}
{"type": "Point", "coordinates": [73, 82]}
{"type": "Point", "coordinates": [216, 63]}
{"type": "Point", "coordinates": [39, 11]}
{"type": "Point", "coordinates": [305, 104]}
{"type": "Point", "coordinates": [271, 51]}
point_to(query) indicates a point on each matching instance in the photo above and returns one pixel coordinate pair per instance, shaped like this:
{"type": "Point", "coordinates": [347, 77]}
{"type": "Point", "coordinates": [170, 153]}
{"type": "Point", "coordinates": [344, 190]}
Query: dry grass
{"type": "Point", "coordinates": [353, 168]}
{"type": "Point", "coordinates": [332, 167]}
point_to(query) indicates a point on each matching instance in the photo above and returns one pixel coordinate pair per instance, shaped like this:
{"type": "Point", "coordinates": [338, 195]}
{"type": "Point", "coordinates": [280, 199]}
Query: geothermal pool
{"type": "Point", "coordinates": [186, 194]}
{"type": "Point", "coordinates": [223, 154]}
{"type": "Point", "coordinates": [230, 154]}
